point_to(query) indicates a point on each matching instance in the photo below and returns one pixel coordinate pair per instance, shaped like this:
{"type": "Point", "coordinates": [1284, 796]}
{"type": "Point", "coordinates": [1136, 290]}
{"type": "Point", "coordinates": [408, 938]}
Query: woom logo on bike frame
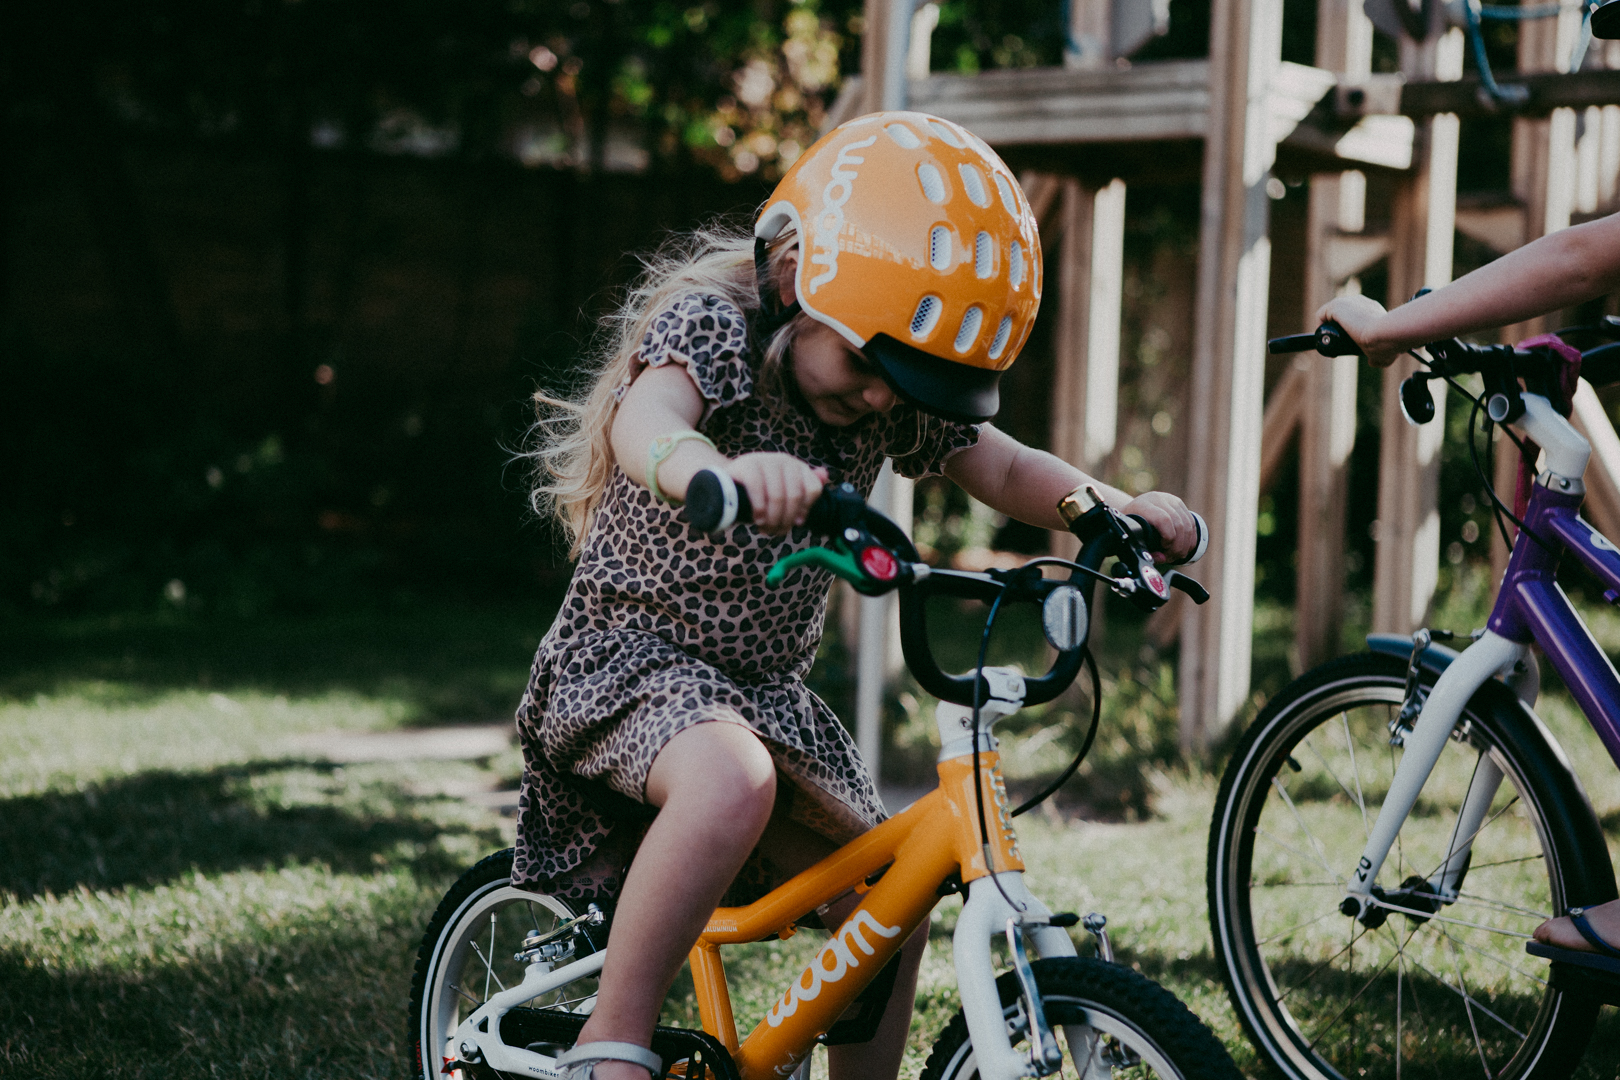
{"type": "Point", "coordinates": [831, 963]}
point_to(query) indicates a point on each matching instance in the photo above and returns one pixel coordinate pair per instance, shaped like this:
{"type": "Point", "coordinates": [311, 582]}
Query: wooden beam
{"type": "Point", "coordinates": [1407, 562]}
{"type": "Point", "coordinates": [1284, 405]}
{"type": "Point", "coordinates": [1549, 90]}
{"type": "Point", "coordinates": [1228, 376]}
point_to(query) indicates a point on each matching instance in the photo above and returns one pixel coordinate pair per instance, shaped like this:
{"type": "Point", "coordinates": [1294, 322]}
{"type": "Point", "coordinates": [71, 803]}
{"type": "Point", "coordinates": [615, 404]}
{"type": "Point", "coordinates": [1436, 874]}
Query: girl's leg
{"type": "Point", "coordinates": [715, 784]}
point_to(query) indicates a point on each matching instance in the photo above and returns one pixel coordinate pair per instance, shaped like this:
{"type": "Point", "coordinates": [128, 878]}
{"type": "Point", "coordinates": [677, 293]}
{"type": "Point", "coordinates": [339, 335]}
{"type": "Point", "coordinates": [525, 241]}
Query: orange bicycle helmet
{"type": "Point", "coordinates": [917, 245]}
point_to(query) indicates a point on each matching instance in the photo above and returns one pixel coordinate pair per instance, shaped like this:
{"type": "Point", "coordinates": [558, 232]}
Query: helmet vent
{"type": "Point", "coordinates": [969, 333]}
{"type": "Point", "coordinates": [999, 343]}
{"type": "Point", "coordinates": [904, 136]}
{"type": "Point", "coordinates": [1015, 266]}
{"type": "Point", "coordinates": [946, 134]}
{"type": "Point", "coordinates": [984, 255]}
{"type": "Point", "coordinates": [933, 184]}
{"type": "Point", "coordinates": [973, 183]}
{"type": "Point", "coordinates": [939, 248]}
{"type": "Point", "coordinates": [1008, 199]}
{"type": "Point", "coordinates": [926, 317]}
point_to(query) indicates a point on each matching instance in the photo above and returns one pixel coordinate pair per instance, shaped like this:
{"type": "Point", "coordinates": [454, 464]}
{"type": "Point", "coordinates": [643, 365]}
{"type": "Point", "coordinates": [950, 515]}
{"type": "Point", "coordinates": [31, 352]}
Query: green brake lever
{"type": "Point", "coordinates": [838, 560]}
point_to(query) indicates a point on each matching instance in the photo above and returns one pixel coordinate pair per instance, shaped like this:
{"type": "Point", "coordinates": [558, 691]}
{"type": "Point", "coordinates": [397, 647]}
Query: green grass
{"type": "Point", "coordinates": [185, 894]}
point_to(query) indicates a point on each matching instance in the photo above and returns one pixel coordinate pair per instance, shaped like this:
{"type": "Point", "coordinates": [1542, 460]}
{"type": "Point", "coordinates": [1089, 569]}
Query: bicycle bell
{"type": "Point", "coordinates": [1065, 619]}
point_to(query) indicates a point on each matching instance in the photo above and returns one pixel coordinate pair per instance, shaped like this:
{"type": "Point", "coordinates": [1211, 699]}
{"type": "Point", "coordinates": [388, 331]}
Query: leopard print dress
{"type": "Point", "coordinates": [664, 627]}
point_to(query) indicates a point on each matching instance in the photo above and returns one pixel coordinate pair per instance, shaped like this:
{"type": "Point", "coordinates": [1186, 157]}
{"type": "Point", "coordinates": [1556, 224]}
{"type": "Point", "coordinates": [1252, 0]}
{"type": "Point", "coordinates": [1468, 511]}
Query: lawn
{"type": "Point", "coordinates": [185, 890]}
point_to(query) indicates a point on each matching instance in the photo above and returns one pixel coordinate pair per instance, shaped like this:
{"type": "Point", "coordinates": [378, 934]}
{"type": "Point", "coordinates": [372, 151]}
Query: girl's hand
{"type": "Point", "coordinates": [781, 487]}
{"type": "Point", "coordinates": [1171, 517]}
{"type": "Point", "coordinates": [1363, 319]}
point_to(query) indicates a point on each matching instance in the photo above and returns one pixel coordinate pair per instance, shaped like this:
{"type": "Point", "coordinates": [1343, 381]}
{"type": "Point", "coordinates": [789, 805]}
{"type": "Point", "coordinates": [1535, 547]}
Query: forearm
{"type": "Point", "coordinates": [668, 403]}
{"type": "Point", "coordinates": [1557, 271]}
{"type": "Point", "coordinates": [1021, 482]}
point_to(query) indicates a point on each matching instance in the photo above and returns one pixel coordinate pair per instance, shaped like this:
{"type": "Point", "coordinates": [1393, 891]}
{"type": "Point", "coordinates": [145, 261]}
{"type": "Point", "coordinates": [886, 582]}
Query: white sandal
{"type": "Point", "coordinates": [578, 1063]}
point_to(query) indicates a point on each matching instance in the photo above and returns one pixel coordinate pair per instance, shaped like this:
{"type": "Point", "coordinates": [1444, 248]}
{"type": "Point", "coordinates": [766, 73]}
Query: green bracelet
{"type": "Point", "coordinates": [661, 448]}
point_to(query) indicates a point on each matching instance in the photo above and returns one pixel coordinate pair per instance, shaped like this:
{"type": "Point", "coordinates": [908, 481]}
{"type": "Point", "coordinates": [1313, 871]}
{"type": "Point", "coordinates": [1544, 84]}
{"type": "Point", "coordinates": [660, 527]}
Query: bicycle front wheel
{"type": "Point", "coordinates": [1450, 994]}
{"type": "Point", "coordinates": [467, 955]}
{"type": "Point", "coordinates": [1115, 1022]}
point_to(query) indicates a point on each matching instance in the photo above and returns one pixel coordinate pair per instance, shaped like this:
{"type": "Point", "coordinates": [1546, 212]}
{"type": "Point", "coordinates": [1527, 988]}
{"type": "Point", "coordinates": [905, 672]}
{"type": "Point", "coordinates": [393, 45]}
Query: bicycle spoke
{"type": "Point", "coordinates": [1321, 857]}
{"type": "Point", "coordinates": [464, 993]}
{"type": "Point", "coordinates": [1473, 1025]}
{"type": "Point", "coordinates": [1293, 884]}
{"type": "Point", "coordinates": [1356, 935]}
{"type": "Point", "coordinates": [1469, 840]}
{"type": "Point", "coordinates": [1357, 997]}
{"type": "Point", "coordinates": [1350, 744]}
{"type": "Point", "coordinates": [1298, 927]}
{"type": "Point", "coordinates": [1285, 845]}
{"type": "Point", "coordinates": [1387, 906]}
{"type": "Point", "coordinates": [1498, 961]}
{"type": "Point", "coordinates": [1504, 862]}
{"type": "Point", "coordinates": [1501, 905]}
{"type": "Point", "coordinates": [489, 967]}
{"type": "Point", "coordinates": [1441, 980]}
{"type": "Point", "coordinates": [1330, 771]}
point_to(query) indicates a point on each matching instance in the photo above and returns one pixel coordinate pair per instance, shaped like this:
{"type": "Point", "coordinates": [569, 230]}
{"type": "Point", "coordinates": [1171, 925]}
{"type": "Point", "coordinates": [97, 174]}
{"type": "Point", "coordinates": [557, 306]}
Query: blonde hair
{"type": "Point", "coordinates": [568, 444]}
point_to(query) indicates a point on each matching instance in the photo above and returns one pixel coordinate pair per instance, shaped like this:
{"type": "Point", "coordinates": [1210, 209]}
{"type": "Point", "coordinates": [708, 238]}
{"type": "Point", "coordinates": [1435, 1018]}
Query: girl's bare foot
{"type": "Point", "coordinates": [1561, 933]}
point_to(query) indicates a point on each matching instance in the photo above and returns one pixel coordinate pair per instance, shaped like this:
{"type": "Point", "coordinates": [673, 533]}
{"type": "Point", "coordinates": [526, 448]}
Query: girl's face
{"type": "Point", "coordinates": [841, 386]}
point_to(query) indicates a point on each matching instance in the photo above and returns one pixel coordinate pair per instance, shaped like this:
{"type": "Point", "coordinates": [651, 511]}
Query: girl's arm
{"type": "Point", "coordinates": [1026, 484]}
{"type": "Point", "coordinates": [663, 401]}
{"type": "Point", "coordinates": [1559, 270]}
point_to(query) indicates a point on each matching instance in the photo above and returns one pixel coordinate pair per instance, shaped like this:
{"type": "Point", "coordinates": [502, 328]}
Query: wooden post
{"type": "Point", "coordinates": [1085, 385]}
{"type": "Point", "coordinates": [1328, 415]}
{"type": "Point", "coordinates": [1544, 182]}
{"type": "Point", "coordinates": [1407, 563]}
{"type": "Point", "coordinates": [1228, 376]}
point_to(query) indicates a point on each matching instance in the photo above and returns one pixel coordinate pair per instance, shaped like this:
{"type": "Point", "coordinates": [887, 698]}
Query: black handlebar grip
{"type": "Point", "coordinates": [1329, 340]}
{"type": "Point", "coordinates": [715, 502]}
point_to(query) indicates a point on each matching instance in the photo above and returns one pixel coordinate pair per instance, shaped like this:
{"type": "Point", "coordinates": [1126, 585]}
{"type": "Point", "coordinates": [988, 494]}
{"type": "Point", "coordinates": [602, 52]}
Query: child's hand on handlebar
{"type": "Point", "coordinates": [1362, 318]}
{"type": "Point", "coordinates": [1171, 517]}
{"type": "Point", "coordinates": [780, 486]}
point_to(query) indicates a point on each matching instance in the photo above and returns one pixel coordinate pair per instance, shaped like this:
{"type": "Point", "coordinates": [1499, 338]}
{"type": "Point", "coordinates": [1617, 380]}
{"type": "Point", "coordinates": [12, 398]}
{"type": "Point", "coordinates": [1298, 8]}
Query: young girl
{"type": "Point", "coordinates": [1557, 271]}
{"type": "Point", "coordinates": [892, 276]}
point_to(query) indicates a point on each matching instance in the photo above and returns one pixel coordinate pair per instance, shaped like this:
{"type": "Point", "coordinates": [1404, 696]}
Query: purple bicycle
{"type": "Point", "coordinates": [1394, 824]}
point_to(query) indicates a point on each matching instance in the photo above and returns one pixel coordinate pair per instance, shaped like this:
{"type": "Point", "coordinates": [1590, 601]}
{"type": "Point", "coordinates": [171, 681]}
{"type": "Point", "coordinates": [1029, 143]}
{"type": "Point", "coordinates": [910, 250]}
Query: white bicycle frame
{"type": "Point", "coordinates": [1567, 453]}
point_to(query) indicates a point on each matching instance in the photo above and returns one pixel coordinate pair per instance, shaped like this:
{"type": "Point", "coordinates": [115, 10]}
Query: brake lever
{"type": "Point", "coordinates": [1177, 580]}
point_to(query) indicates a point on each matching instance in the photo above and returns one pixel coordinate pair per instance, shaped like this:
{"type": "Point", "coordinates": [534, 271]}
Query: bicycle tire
{"type": "Point", "coordinates": [476, 928]}
{"type": "Point", "coordinates": [1314, 989]}
{"type": "Point", "coordinates": [1134, 1015]}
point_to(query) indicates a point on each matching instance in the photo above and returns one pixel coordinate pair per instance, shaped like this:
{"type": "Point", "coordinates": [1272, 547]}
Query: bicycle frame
{"type": "Point", "coordinates": [901, 867]}
{"type": "Point", "coordinates": [1530, 608]}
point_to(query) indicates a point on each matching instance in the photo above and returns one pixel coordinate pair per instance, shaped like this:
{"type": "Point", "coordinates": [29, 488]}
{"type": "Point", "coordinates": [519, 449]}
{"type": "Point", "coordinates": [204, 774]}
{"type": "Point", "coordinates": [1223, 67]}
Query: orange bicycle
{"type": "Point", "coordinates": [506, 977]}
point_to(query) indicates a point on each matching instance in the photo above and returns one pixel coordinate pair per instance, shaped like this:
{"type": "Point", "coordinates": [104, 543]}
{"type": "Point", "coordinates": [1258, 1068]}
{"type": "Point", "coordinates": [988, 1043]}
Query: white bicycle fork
{"type": "Point", "coordinates": [1490, 656]}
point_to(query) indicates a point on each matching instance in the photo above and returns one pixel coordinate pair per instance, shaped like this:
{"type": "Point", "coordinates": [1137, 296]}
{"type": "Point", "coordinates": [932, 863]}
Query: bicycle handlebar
{"type": "Point", "coordinates": [875, 555]}
{"type": "Point", "coordinates": [1329, 340]}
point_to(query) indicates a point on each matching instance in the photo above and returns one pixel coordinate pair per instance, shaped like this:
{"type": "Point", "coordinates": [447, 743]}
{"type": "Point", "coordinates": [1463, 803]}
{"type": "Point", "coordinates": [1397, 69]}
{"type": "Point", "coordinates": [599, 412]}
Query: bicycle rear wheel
{"type": "Point", "coordinates": [467, 955]}
{"type": "Point", "coordinates": [1115, 1022]}
{"type": "Point", "coordinates": [1451, 995]}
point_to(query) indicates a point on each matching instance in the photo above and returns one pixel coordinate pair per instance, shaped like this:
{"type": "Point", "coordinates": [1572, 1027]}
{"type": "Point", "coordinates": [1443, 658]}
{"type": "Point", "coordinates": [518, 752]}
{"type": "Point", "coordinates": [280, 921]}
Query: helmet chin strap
{"type": "Point", "coordinates": [773, 313]}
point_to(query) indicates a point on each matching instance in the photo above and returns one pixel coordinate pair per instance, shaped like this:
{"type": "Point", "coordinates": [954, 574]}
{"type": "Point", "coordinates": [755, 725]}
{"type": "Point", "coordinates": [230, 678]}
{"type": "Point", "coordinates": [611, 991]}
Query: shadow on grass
{"type": "Point", "coordinates": [445, 663]}
{"type": "Point", "coordinates": [154, 827]}
{"type": "Point", "coordinates": [321, 998]}
{"type": "Point", "coordinates": [1434, 1017]}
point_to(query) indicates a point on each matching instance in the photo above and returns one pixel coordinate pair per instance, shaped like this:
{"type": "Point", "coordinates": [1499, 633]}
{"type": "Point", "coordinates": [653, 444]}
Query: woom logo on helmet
{"type": "Point", "coordinates": [830, 219]}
